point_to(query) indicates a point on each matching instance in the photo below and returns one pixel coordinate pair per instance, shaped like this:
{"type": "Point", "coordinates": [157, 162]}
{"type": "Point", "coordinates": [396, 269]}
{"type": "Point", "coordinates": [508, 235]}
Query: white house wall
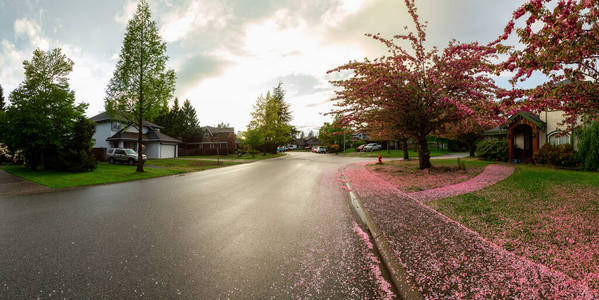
{"type": "Point", "coordinates": [102, 133]}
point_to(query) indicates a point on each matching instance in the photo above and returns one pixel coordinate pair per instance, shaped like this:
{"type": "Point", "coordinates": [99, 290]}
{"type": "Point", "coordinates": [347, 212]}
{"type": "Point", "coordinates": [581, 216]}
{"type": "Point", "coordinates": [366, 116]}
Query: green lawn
{"type": "Point", "coordinates": [107, 173]}
{"type": "Point", "coordinates": [258, 156]}
{"type": "Point", "coordinates": [549, 215]}
{"type": "Point", "coordinates": [392, 153]}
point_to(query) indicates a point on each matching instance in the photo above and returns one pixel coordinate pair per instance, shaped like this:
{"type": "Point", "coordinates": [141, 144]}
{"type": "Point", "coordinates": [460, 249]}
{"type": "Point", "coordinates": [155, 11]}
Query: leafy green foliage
{"type": "Point", "coordinates": [493, 149]}
{"type": "Point", "coordinates": [270, 121]}
{"type": "Point", "coordinates": [181, 122]}
{"type": "Point", "coordinates": [588, 146]}
{"type": "Point", "coordinates": [557, 155]}
{"type": "Point", "coordinates": [333, 134]}
{"type": "Point", "coordinates": [252, 140]}
{"type": "Point", "coordinates": [77, 154]}
{"type": "Point", "coordinates": [141, 85]}
{"type": "Point", "coordinates": [43, 116]}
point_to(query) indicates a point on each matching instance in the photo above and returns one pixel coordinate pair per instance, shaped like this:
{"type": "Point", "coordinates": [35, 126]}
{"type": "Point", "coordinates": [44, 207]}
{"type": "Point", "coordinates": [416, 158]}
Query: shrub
{"type": "Point", "coordinates": [492, 149]}
{"type": "Point", "coordinates": [559, 156]}
{"type": "Point", "coordinates": [588, 146]}
{"type": "Point", "coordinates": [334, 148]}
{"type": "Point", "coordinates": [358, 143]}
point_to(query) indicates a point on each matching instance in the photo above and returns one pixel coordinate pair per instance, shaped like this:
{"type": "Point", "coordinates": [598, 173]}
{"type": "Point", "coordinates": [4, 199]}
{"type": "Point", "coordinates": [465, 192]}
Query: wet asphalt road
{"type": "Point", "coordinates": [279, 228]}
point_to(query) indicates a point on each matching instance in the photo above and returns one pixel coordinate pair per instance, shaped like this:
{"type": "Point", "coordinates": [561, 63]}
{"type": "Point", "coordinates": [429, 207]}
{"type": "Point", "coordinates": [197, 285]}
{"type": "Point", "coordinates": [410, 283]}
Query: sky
{"type": "Point", "coordinates": [226, 53]}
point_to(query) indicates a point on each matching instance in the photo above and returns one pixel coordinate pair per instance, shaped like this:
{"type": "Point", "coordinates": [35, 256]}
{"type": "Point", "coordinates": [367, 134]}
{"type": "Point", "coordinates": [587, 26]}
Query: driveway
{"type": "Point", "coordinates": [271, 229]}
{"type": "Point", "coordinates": [13, 185]}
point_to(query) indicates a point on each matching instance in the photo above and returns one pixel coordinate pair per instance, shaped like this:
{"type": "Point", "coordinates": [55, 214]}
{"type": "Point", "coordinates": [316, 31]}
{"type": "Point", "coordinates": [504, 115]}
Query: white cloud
{"type": "Point", "coordinates": [126, 13]}
{"type": "Point", "coordinates": [341, 10]}
{"type": "Point", "coordinates": [197, 15]}
{"type": "Point", "coordinates": [27, 28]}
{"type": "Point", "coordinates": [11, 70]}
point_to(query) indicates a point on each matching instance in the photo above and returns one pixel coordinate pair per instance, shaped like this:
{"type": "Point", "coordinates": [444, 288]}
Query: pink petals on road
{"type": "Point", "coordinates": [447, 260]}
{"type": "Point", "coordinates": [491, 175]}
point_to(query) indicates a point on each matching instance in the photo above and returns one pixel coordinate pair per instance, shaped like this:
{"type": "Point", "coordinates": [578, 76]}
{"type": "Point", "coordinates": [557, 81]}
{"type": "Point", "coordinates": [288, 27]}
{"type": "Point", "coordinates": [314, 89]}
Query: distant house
{"type": "Point", "coordinates": [308, 142]}
{"type": "Point", "coordinates": [112, 133]}
{"type": "Point", "coordinates": [214, 141]}
{"type": "Point", "coordinates": [526, 133]}
{"type": "Point", "coordinates": [360, 136]}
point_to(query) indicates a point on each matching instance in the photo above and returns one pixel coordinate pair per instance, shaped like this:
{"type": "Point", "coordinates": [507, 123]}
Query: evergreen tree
{"type": "Point", "coordinates": [271, 119]}
{"type": "Point", "coordinates": [43, 115]}
{"type": "Point", "coordinates": [141, 85]}
{"type": "Point", "coordinates": [191, 126]}
{"type": "Point", "coordinates": [2, 103]}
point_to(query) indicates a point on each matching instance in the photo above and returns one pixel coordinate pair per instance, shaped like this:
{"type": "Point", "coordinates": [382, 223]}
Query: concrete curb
{"type": "Point", "coordinates": [398, 273]}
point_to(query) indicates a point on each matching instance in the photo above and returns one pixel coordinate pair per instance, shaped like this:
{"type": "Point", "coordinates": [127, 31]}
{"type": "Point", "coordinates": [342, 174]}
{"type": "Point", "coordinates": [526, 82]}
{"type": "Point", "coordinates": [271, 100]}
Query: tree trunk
{"type": "Point", "coordinates": [424, 156]}
{"type": "Point", "coordinates": [404, 147]}
{"type": "Point", "coordinates": [472, 148]}
{"type": "Point", "coordinates": [140, 162]}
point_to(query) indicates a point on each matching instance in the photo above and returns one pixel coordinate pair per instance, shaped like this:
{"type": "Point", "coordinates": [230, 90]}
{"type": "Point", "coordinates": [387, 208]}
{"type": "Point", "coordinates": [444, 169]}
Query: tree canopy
{"type": "Point", "coordinates": [141, 85]}
{"type": "Point", "coordinates": [423, 89]}
{"type": "Point", "coordinates": [43, 115]}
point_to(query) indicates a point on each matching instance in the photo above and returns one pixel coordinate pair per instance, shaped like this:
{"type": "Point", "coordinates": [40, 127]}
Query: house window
{"type": "Point", "coordinates": [558, 139]}
{"type": "Point", "coordinates": [114, 126]}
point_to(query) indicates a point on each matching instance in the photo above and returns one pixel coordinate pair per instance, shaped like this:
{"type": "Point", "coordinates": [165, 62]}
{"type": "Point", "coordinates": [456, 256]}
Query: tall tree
{"type": "Point", "coordinates": [2, 102]}
{"type": "Point", "coordinates": [425, 89]}
{"type": "Point", "coordinates": [558, 39]}
{"type": "Point", "coordinates": [271, 118]}
{"type": "Point", "coordinates": [141, 85]}
{"type": "Point", "coordinates": [43, 113]}
{"type": "Point", "coordinates": [191, 126]}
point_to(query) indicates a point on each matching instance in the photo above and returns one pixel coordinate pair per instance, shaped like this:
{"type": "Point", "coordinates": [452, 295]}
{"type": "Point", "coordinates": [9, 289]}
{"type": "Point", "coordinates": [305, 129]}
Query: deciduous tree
{"type": "Point", "coordinates": [271, 117]}
{"type": "Point", "coordinates": [43, 114]}
{"type": "Point", "coordinates": [141, 85]}
{"type": "Point", "coordinates": [424, 89]}
{"type": "Point", "coordinates": [560, 39]}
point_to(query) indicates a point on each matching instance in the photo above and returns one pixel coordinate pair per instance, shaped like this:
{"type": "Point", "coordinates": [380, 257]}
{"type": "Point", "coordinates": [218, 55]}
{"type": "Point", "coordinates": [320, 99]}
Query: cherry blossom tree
{"type": "Point", "coordinates": [560, 40]}
{"type": "Point", "coordinates": [422, 89]}
{"type": "Point", "coordinates": [468, 131]}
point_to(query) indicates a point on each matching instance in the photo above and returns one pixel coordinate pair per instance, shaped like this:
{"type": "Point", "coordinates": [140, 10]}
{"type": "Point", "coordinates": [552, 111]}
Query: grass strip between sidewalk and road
{"type": "Point", "coordinates": [107, 173]}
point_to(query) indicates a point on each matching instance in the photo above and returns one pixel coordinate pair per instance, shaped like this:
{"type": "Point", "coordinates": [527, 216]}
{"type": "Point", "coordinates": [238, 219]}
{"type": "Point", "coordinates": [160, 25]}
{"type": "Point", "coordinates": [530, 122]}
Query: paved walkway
{"type": "Point", "coordinates": [491, 175]}
{"type": "Point", "coordinates": [447, 260]}
{"type": "Point", "coordinates": [13, 185]}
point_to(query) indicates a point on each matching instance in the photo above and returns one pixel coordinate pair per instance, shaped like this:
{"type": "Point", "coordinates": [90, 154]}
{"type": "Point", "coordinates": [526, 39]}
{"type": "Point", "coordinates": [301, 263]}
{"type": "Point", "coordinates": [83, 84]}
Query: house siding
{"type": "Point", "coordinates": [102, 133]}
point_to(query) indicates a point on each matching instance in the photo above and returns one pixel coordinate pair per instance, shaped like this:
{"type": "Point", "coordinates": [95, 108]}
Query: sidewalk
{"type": "Point", "coordinates": [444, 259]}
{"type": "Point", "coordinates": [13, 185]}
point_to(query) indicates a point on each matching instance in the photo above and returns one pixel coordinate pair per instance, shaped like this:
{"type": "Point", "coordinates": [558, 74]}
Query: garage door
{"type": "Point", "coordinates": [167, 151]}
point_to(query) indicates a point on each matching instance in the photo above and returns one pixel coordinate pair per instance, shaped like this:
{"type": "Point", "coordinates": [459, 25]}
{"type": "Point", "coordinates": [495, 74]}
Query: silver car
{"type": "Point", "coordinates": [123, 155]}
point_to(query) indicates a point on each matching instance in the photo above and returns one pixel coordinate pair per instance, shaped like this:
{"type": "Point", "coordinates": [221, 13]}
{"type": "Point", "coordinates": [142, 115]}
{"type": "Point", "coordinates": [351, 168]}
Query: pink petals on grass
{"type": "Point", "coordinates": [491, 175]}
{"type": "Point", "coordinates": [446, 260]}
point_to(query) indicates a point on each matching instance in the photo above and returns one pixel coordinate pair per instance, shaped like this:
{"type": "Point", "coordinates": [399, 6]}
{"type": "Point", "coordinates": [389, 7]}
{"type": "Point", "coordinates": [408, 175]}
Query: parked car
{"type": "Point", "coordinates": [319, 149]}
{"type": "Point", "coordinates": [281, 149]}
{"type": "Point", "coordinates": [372, 147]}
{"type": "Point", "coordinates": [123, 155]}
{"type": "Point", "coordinates": [292, 147]}
{"type": "Point", "coordinates": [360, 148]}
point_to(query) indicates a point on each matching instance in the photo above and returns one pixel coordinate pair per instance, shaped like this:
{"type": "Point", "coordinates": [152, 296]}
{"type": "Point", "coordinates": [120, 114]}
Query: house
{"type": "Point", "coordinates": [526, 133]}
{"type": "Point", "coordinates": [112, 133]}
{"type": "Point", "coordinates": [308, 142]}
{"type": "Point", "coordinates": [214, 141]}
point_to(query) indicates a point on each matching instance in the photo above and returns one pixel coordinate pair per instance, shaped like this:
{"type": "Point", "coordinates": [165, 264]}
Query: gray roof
{"type": "Point", "coordinates": [151, 136]}
{"type": "Point", "coordinates": [527, 115]}
{"type": "Point", "coordinates": [214, 130]}
{"type": "Point", "coordinates": [104, 117]}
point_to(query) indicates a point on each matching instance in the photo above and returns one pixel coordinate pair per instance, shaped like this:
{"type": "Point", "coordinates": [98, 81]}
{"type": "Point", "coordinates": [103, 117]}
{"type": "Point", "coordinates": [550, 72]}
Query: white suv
{"type": "Point", "coordinates": [123, 155]}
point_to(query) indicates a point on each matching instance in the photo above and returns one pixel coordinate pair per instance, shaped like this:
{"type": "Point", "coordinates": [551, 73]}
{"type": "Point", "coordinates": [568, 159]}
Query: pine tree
{"type": "Point", "coordinates": [141, 85]}
{"type": "Point", "coordinates": [2, 104]}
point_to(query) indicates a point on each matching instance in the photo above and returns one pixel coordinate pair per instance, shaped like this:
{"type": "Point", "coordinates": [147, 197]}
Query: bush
{"type": "Point", "coordinates": [77, 155]}
{"type": "Point", "coordinates": [557, 155]}
{"type": "Point", "coordinates": [334, 148]}
{"type": "Point", "coordinates": [588, 147]}
{"type": "Point", "coordinates": [492, 149]}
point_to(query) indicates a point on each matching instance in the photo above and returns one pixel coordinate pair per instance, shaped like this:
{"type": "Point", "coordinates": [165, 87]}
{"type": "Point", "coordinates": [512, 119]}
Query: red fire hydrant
{"type": "Point", "coordinates": [380, 160]}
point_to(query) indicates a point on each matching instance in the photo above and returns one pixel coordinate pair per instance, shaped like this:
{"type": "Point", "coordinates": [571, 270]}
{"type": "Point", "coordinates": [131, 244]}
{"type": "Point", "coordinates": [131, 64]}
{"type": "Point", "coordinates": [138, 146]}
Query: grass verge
{"type": "Point", "coordinates": [107, 173]}
{"type": "Point", "coordinates": [548, 215]}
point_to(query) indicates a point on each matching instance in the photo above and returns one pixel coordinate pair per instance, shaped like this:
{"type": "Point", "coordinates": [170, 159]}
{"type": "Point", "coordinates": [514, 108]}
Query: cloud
{"type": "Point", "coordinates": [11, 70]}
{"type": "Point", "coordinates": [341, 10]}
{"type": "Point", "coordinates": [27, 28]}
{"type": "Point", "coordinates": [198, 14]}
{"type": "Point", "coordinates": [197, 68]}
{"type": "Point", "coordinates": [126, 13]}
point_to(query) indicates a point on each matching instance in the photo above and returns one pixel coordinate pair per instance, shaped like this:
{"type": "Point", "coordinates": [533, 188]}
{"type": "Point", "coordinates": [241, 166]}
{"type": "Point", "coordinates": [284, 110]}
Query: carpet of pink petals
{"type": "Point", "coordinates": [491, 175]}
{"type": "Point", "coordinates": [408, 178]}
{"type": "Point", "coordinates": [446, 260]}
